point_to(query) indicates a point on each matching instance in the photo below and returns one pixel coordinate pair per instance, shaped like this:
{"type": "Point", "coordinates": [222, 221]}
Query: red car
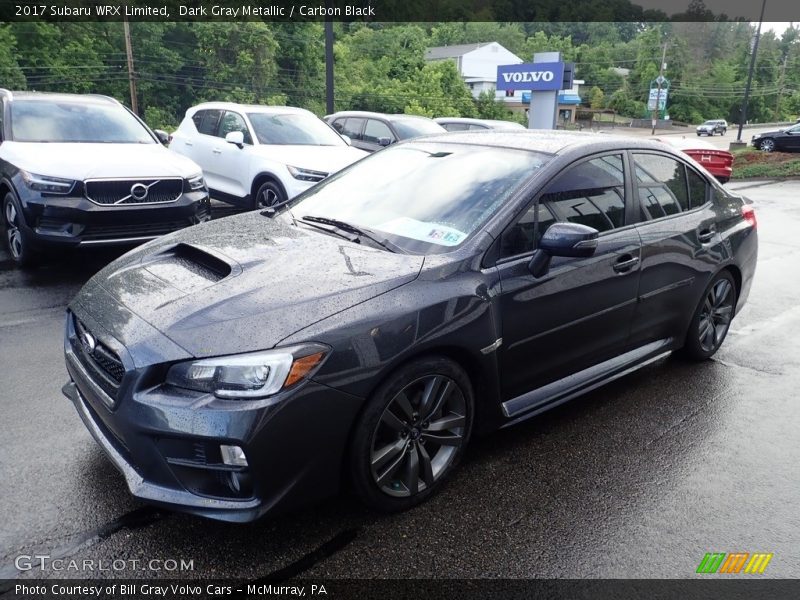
{"type": "Point", "coordinates": [716, 161]}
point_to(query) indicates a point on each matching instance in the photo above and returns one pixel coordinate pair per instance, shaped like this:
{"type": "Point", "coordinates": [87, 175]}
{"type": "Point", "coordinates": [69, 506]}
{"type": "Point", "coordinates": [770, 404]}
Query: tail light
{"type": "Point", "coordinates": [749, 214]}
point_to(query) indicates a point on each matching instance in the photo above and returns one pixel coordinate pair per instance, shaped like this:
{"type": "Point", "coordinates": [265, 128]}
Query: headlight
{"type": "Point", "coordinates": [306, 174]}
{"type": "Point", "coordinates": [756, 136]}
{"type": "Point", "coordinates": [196, 182]}
{"type": "Point", "coordinates": [246, 376]}
{"type": "Point", "coordinates": [51, 185]}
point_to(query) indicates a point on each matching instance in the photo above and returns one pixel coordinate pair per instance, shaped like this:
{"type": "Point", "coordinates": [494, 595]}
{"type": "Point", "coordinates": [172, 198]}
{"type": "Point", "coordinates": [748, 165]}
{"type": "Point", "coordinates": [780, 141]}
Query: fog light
{"type": "Point", "coordinates": [233, 455]}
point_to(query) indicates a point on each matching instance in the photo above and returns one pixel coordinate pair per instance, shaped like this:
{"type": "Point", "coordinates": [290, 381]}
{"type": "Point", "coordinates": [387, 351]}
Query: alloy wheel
{"type": "Point", "coordinates": [767, 145]}
{"type": "Point", "coordinates": [13, 232]}
{"type": "Point", "coordinates": [715, 316]}
{"type": "Point", "coordinates": [267, 197]}
{"type": "Point", "coordinates": [419, 434]}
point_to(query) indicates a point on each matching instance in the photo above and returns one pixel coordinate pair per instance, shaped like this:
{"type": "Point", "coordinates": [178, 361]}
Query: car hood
{"type": "Point", "coordinates": [90, 161]}
{"type": "Point", "coordinates": [327, 159]}
{"type": "Point", "coordinates": [241, 283]}
{"type": "Point", "coordinates": [769, 133]}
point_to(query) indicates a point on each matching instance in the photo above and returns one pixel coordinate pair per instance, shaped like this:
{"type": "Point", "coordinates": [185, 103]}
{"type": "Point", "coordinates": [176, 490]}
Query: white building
{"type": "Point", "coordinates": [477, 64]}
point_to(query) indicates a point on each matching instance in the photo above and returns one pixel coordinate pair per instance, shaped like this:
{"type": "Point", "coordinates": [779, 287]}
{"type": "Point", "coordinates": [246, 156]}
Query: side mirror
{"type": "Point", "coordinates": [235, 137]}
{"type": "Point", "coordinates": [384, 141]}
{"type": "Point", "coordinates": [347, 139]}
{"type": "Point", "coordinates": [162, 136]}
{"type": "Point", "coordinates": [563, 239]}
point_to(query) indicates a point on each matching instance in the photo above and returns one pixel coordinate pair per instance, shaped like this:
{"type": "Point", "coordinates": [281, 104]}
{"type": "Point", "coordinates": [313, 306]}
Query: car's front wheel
{"type": "Point", "coordinates": [17, 240]}
{"type": "Point", "coordinates": [412, 434]}
{"type": "Point", "coordinates": [269, 194]}
{"type": "Point", "coordinates": [767, 145]}
{"type": "Point", "coordinates": [711, 319]}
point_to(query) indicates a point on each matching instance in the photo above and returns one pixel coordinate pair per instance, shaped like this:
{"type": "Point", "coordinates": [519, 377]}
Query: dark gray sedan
{"type": "Point", "coordinates": [363, 331]}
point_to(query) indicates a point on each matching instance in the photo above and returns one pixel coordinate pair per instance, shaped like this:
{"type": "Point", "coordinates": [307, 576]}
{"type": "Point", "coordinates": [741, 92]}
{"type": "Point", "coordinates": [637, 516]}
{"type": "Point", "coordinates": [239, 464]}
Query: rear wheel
{"type": "Point", "coordinates": [412, 434]}
{"type": "Point", "coordinates": [712, 319]}
{"type": "Point", "coordinates": [17, 238]}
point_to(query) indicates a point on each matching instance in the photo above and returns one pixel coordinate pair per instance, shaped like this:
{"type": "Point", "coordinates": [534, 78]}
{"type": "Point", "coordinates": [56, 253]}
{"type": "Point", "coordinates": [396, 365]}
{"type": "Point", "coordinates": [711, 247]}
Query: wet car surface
{"type": "Point", "coordinates": [638, 479]}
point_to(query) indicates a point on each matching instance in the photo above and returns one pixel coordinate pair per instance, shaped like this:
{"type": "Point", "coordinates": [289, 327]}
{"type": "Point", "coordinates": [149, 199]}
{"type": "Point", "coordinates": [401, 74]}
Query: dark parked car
{"type": "Point", "coordinates": [783, 140]}
{"type": "Point", "coordinates": [372, 131]}
{"type": "Point", "coordinates": [83, 170]}
{"type": "Point", "coordinates": [364, 331]}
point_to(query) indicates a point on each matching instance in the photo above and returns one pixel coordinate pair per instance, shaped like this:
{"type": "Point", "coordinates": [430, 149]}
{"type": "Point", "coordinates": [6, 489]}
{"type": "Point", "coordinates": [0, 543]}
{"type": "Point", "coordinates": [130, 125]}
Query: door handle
{"type": "Point", "coordinates": [187, 143]}
{"type": "Point", "coordinates": [625, 263]}
{"type": "Point", "coordinates": [216, 151]}
{"type": "Point", "coordinates": [705, 234]}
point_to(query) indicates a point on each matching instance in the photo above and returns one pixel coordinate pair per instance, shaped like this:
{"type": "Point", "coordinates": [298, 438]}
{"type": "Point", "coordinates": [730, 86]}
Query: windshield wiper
{"type": "Point", "coordinates": [385, 244]}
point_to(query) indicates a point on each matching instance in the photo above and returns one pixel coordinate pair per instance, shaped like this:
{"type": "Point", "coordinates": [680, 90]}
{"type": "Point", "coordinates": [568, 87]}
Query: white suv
{"type": "Point", "coordinates": [258, 156]}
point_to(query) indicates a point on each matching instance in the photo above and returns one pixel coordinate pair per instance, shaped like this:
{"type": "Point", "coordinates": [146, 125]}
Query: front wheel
{"type": "Point", "coordinates": [412, 434]}
{"type": "Point", "coordinates": [269, 194]}
{"type": "Point", "coordinates": [712, 319]}
{"type": "Point", "coordinates": [767, 145]}
{"type": "Point", "coordinates": [19, 245]}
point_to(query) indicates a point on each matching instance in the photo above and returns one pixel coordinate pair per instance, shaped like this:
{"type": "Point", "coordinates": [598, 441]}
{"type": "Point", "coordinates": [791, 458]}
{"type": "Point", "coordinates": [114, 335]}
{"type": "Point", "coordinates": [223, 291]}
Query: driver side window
{"type": "Point", "coordinates": [590, 193]}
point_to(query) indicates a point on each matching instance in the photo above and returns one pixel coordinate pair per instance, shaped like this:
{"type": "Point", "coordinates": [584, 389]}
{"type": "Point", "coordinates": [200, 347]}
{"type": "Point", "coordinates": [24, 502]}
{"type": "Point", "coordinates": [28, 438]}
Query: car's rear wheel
{"type": "Point", "coordinates": [767, 145]}
{"type": "Point", "coordinates": [17, 240]}
{"type": "Point", "coordinates": [412, 434]}
{"type": "Point", "coordinates": [269, 194]}
{"type": "Point", "coordinates": [712, 319]}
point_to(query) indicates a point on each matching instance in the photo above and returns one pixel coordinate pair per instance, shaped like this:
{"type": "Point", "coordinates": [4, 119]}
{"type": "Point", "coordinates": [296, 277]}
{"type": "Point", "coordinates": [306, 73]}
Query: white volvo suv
{"type": "Point", "coordinates": [257, 156]}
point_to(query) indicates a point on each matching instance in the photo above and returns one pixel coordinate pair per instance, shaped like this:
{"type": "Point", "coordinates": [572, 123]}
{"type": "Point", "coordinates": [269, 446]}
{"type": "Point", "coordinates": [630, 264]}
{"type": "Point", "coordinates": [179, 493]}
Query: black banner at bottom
{"type": "Point", "coordinates": [416, 589]}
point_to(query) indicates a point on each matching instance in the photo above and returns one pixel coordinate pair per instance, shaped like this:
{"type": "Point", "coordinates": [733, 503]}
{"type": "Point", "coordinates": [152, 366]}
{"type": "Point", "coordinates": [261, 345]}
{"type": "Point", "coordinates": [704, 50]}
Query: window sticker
{"type": "Point", "coordinates": [434, 233]}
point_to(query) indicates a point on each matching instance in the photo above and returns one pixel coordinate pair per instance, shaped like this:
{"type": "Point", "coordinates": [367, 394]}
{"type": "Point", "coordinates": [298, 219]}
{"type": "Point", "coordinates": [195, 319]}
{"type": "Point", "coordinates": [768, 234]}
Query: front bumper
{"type": "Point", "coordinates": [167, 445]}
{"type": "Point", "coordinates": [76, 221]}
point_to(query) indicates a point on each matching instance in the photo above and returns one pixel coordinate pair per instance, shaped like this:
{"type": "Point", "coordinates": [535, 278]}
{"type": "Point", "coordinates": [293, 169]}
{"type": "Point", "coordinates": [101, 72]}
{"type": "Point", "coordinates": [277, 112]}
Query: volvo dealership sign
{"type": "Point", "coordinates": [531, 76]}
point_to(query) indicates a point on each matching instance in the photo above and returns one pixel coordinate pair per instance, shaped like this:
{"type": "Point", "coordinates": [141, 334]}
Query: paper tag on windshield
{"type": "Point", "coordinates": [433, 233]}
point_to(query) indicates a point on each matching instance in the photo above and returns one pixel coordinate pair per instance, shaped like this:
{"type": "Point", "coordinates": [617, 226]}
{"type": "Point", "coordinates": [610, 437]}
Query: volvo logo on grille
{"type": "Point", "coordinates": [88, 342]}
{"type": "Point", "coordinates": [139, 191]}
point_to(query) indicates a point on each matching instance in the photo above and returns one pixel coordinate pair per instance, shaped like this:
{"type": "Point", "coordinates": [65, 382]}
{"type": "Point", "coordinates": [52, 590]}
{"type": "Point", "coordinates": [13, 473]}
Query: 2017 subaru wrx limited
{"type": "Point", "coordinates": [78, 170]}
{"type": "Point", "coordinates": [365, 330]}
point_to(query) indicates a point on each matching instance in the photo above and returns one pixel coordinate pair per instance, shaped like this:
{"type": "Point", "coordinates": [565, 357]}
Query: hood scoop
{"type": "Point", "coordinates": [191, 268]}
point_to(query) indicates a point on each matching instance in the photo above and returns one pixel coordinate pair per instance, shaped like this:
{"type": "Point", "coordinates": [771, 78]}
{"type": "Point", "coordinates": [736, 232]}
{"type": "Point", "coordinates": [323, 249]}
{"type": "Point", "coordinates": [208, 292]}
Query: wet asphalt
{"type": "Point", "coordinates": [638, 479]}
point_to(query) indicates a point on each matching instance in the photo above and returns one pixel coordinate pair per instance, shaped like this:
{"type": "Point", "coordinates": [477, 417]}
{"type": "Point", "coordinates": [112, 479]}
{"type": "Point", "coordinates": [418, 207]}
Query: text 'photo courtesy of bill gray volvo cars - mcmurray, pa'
{"type": "Point", "coordinates": [83, 170]}
{"type": "Point", "coordinates": [362, 332]}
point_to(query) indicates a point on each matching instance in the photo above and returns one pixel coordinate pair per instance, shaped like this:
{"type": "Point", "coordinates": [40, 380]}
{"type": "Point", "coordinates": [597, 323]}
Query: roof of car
{"type": "Point", "coordinates": [542, 140]}
{"type": "Point", "coordinates": [249, 107]}
{"type": "Point", "coordinates": [366, 113]}
{"type": "Point", "coordinates": [468, 120]}
{"type": "Point", "coordinates": [90, 98]}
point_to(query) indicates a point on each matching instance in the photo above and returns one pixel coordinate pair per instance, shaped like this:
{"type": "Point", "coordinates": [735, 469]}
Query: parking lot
{"type": "Point", "coordinates": [638, 479]}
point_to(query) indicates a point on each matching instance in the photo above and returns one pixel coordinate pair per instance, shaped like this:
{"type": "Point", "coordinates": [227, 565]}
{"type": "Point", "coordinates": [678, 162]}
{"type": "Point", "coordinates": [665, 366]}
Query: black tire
{"type": "Point", "coordinates": [767, 145]}
{"type": "Point", "coordinates": [396, 456]}
{"type": "Point", "coordinates": [17, 236]}
{"type": "Point", "coordinates": [712, 318]}
{"type": "Point", "coordinates": [268, 194]}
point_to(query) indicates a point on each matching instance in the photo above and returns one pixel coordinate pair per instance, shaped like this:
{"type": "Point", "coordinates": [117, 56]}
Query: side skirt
{"type": "Point", "coordinates": [546, 397]}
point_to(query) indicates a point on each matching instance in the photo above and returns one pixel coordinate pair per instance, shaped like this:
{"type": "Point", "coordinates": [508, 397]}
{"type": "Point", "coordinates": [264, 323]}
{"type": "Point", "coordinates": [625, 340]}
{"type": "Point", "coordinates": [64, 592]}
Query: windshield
{"type": "Point", "coordinates": [411, 128]}
{"type": "Point", "coordinates": [711, 123]}
{"type": "Point", "coordinates": [424, 198]}
{"type": "Point", "coordinates": [69, 121]}
{"type": "Point", "coordinates": [293, 129]}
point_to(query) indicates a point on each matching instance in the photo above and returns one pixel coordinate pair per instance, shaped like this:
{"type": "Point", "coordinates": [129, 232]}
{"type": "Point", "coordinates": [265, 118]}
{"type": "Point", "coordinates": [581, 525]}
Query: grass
{"type": "Point", "coordinates": [751, 163]}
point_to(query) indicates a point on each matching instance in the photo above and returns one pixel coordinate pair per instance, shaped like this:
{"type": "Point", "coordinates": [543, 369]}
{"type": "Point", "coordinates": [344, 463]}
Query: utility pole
{"type": "Point", "coordinates": [780, 89]}
{"type": "Point", "coordinates": [129, 53]}
{"type": "Point", "coordinates": [328, 66]}
{"type": "Point", "coordinates": [743, 112]}
{"type": "Point", "coordinates": [658, 82]}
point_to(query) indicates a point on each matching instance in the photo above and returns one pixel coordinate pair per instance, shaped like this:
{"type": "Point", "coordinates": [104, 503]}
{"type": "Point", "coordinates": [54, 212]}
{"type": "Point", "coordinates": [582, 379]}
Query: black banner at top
{"type": "Point", "coordinates": [398, 10]}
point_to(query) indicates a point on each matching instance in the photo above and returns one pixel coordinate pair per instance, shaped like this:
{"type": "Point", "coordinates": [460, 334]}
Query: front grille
{"type": "Point", "coordinates": [116, 232]}
{"type": "Point", "coordinates": [134, 191]}
{"type": "Point", "coordinates": [99, 360]}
